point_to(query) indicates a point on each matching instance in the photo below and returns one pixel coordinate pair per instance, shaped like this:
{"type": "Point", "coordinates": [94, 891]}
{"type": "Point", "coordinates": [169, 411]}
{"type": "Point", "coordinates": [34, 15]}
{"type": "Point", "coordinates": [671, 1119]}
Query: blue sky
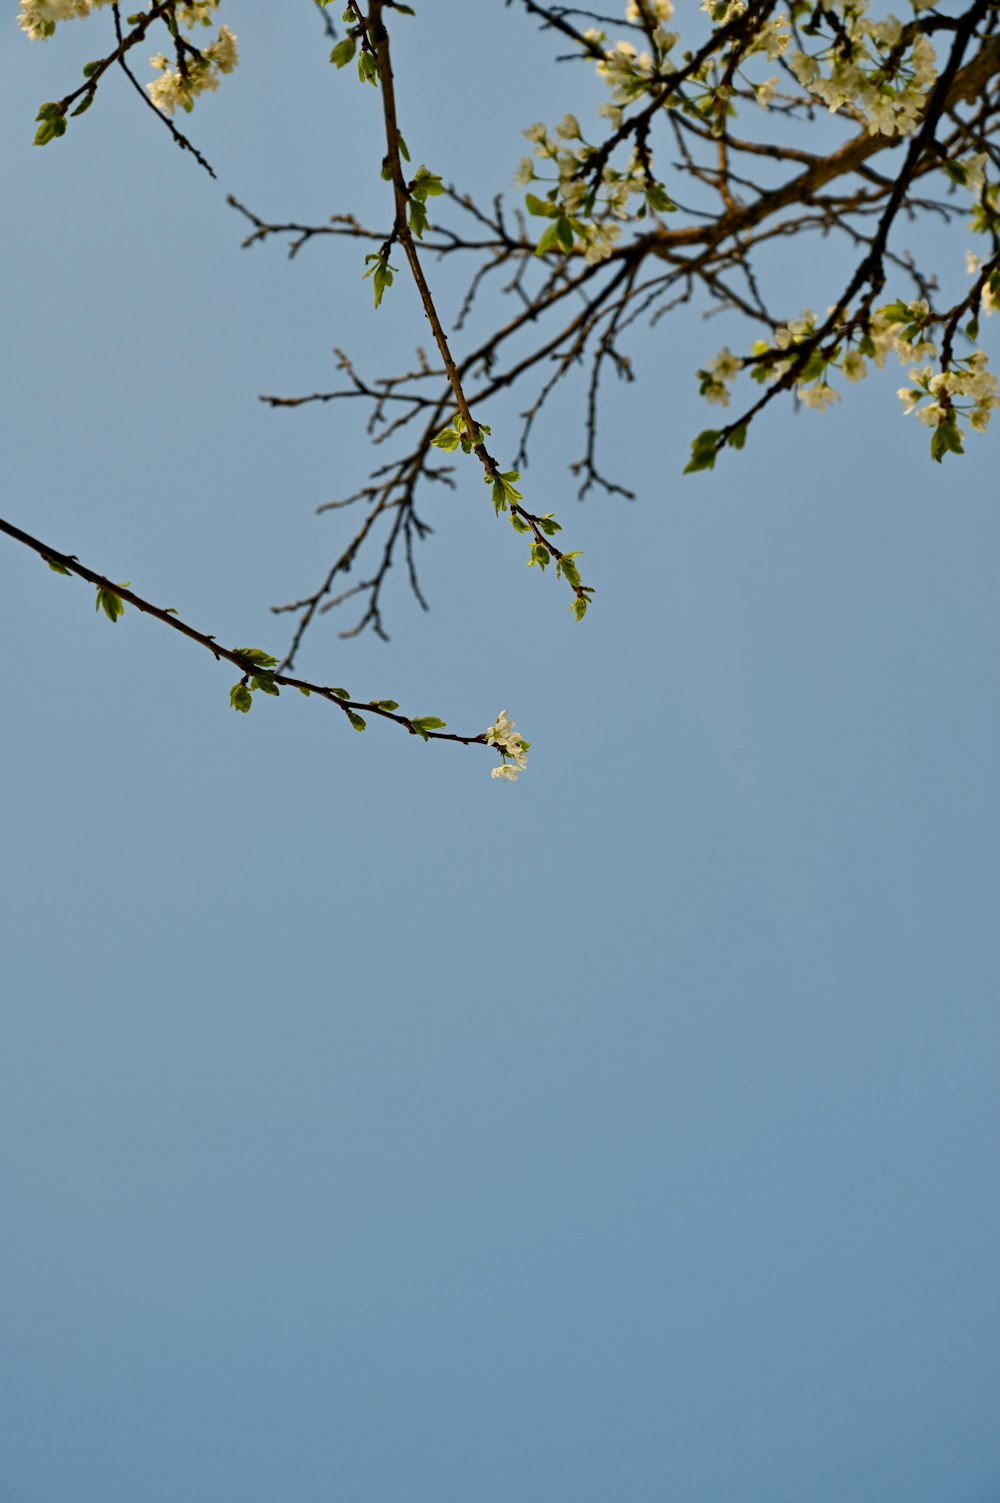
{"type": "Point", "coordinates": [370, 1130]}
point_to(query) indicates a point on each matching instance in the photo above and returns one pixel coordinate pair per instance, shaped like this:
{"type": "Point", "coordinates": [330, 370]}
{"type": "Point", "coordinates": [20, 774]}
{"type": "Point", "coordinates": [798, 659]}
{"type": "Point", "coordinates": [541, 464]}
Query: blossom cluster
{"type": "Point", "coordinates": [511, 745]}
{"type": "Point", "coordinates": [966, 388]}
{"type": "Point", "coordinates": [629, 73]}
{"type": "Point", "coordinates": [594, 200]}
{"type": "Point", "coordinates": [198, 69]}
{"type": "Point", "coordinates": [885, 70]}
{"type": "Point", "coordinates": [587, 208]}
{"type": "Point", "coordinates": [199, 74]}
{"type": "Point", "coordinates": [39, 18]}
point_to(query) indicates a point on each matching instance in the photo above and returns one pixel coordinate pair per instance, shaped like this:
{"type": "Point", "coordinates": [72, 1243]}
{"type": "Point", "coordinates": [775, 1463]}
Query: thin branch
{"type": "Point", "coordinates": [69, 563]}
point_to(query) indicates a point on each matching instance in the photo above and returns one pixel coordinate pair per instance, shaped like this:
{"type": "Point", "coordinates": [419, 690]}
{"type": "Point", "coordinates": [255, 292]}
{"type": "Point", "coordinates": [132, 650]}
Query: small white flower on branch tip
{"type": "Point", "coordinates": [601, 242]}
{"type": "Point", "coordinates": [500, 729]}
{"type": "Point", "coordinates": [854, 367]}
{"type": "Point", "coordinates": [224, 51]}
{"type": "Point", "coordinates": [725, 365]}
{"type": "Point", "coordinates": [510, 745]}
{"type": "Point", "coordinates": [568, 128]}
{"type": "Point", "coordinates": [818, 397]}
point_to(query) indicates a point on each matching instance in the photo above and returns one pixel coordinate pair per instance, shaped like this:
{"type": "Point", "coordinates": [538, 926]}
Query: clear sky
{"type": "Point", "coordinates": [371, 1130]}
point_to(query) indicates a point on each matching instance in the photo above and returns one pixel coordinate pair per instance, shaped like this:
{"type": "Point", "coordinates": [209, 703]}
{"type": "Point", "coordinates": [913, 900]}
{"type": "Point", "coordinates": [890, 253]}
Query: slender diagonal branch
{"type": "Point", "coordinates": [68, 563]}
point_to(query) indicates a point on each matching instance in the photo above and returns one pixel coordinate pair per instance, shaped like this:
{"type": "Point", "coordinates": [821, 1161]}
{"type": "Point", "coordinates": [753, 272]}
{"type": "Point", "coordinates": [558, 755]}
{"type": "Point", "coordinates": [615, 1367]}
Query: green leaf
{"type": "Point", "coordinates": [381, 280]}
{"type": "Point", "coordinates": [738, 437]}
{"type": "Point", "coordinates": [89, 69]}
{"type": "Point", "coordinates": [404, 153]}
{"type": "Point", "coordinates": [368, 69]}
{"type": "Point", "coordinates": [384, 704]}
{"type": "Point", "coordinates": [356, 720]}
{"type": "Point", "coordinates": [111, 604]}
{"type": "Point", "coordinates": [947, 439]}
{"type": "Point", "coordinates": [499, 497]}
{"type": "Point", "coordinates": [658, 199]}
{"type": "Point", "coordinates": [265, 682]}
{"type": "Point", "coordinates": [896, 313]}
{"type": "Point", "coordinates": [549, 240]}
{"type": "Point", "coordinates": [813, 367]}
{"type": "Point", "coordinates": [579, 607]}
{"type": "Point", "coordinates": [426, 184]}
{"type": "Point", "coordinates": [564, 233]}
{"type": "Point", "coordinates": [49, 130]}
{"type": "Point", "coordinates": [49, 112]}
{"type": "Point", "coordinates": [55, 567]}
{"type": "Point", "coordinates": [448, 439]}
{"type": "Point", "coordinates": [703, 451]}
{"type": "Point", "coordinates": [507, 479]}
{"type": "Point", "coordinates": [549, 525]}
{"type": "Point", "coordinates": [427, 723]}
{"type": "Point", "coordinates": [417, 217]}
{"type": "Point", "coordinates": [344, 52]}
{"type": "Point", "coordinates": [304, 690]}
{"type": "Point", "coordinates": [340, 693]}
{"type": "Point", "coordinates": [972, 329]}
{"type": "Point", "coordinates": [568, 569]}
{"type": "Point", "coordinates": [240, 698]}
{"type": "Point", "coordinates": [256, 656]}
{"type": "Point", "coordinates": [517, 524]}
{"type": "Point", "coordinates": [541, 206]}
{"type": "Point", "coordinates": [84, 104]}
{"type": "Point", "coordinates": [539, 556]}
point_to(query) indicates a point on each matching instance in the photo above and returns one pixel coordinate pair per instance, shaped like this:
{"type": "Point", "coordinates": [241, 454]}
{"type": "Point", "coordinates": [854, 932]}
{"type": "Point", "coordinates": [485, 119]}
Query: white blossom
{"type": "Point", "coordinates": [39, 18]}
{"type": "Point", "coordinates": [568, 128]}
{"type": "Point", "coordinates": [511, 746]}
{"type": "Point", "coordinates": [725, 365]}
{"type": "Point", "coordinates": [819, 396]}
{"type": "Point", "coordinates": [176, 90]}
{"type": "Point", "coordinates": [853, 366]}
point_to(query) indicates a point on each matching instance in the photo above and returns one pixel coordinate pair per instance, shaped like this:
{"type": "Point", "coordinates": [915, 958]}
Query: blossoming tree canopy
{"type": "Point", "coordinates": [726, 130]}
